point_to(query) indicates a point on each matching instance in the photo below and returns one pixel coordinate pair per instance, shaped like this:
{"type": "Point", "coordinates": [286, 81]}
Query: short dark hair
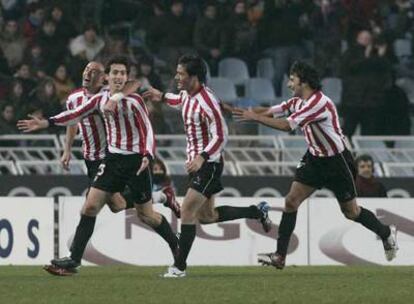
{"type": "Point", "coordinates": [117, 59]}
{"type": "Point", "coordinates": [364, 158]}
{"type": "Point", "coordinates": [307, 74]}
{"type": "Point", "coordinates": [195, 66]}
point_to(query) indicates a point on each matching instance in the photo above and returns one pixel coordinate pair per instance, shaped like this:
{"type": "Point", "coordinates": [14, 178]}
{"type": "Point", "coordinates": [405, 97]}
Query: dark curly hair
{"type": "Point", "coordinates": [307, 74]}
{"type": "Point", "coordinates": [195, 66]}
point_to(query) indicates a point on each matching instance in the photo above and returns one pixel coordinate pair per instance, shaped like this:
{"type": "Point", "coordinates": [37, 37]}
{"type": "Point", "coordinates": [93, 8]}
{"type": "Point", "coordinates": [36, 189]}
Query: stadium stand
{"type": "Point", "coordinates": [244, 155]}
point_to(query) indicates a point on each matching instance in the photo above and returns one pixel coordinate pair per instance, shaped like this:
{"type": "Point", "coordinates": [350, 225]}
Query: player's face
{"type": "Point", "coordinates": [184, 81]}
{"type": "Point", "coordinates": [295, 85]}
{"type": "Point", "coordinates": [365, 169]}
{"type": "Point", "coordinates": [93, 76]}
{"type": "Point", "coordinates": [117, 77]}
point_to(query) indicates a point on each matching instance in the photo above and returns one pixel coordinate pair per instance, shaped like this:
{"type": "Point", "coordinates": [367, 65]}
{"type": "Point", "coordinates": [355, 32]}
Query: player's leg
{"type": "Point", "coordinates": [208, 213]}
{"type": "Point", "coordinates": [95, 200]}
{"type": "Point", "coordinates": [121, 201]}
{"type": "Point", "coordinates": [141, 193]}
{"type": "Point", "coordinates": [343, 185]}
{"type": "Point", "coordinates": [297, 194]}
{"type": "Point", "coordinates": [193, 200]}
{"type": "Point", "coordinates": [366, 218]}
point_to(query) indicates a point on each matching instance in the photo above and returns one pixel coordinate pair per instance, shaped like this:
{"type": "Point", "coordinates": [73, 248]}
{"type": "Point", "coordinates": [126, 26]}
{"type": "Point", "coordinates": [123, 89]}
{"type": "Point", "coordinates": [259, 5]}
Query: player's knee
{"type": "Point", "coordinates": [90, 210]}
{"type": "Point", "coordinates": [350, 214]}
{"type": "Point", "coordinates": [291, 203]}
{"type": "Point", "coordinates": [206, 218]}
{"type": "Point", "coordinates": [115, 209]}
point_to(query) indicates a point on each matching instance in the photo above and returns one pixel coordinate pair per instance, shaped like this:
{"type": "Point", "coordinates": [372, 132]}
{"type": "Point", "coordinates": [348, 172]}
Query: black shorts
{"type": "Point", "coordinates": [337, 173]}
{"type": "Point", "coordinates": [118, 171]}
{"type": "Point", "coordinates": [92, 166]}
{"type": "Point", "coordinates": [207, 180]}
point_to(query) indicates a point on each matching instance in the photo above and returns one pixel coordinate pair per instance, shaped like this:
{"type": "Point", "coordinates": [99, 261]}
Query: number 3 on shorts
{"type": "Point", "coordinates": [101, 169]}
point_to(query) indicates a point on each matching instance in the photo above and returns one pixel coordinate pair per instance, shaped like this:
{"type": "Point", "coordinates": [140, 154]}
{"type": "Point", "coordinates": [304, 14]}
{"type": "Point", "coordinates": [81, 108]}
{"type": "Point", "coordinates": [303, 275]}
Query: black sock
{"type": "Point", "coordinates": [83, 234]}
{"type": "Point", "coordinates": [188, 233]}
{"type": "Point", "coordinates": [228, 213]}
{"type": "Point", "coordinates": [165, 231]}
{"type": "Point", "coordinates": [286, 227]}
{"type": "Point", "coordinates": [130, 203]}
{"type": "Point", "coordinates": [368, 219]}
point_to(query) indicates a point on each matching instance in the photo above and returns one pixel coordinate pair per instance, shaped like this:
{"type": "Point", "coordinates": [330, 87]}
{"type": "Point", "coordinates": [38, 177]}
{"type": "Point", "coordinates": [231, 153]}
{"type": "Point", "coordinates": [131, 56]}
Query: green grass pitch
{"type": "Point", "coordinates": [128, 284]}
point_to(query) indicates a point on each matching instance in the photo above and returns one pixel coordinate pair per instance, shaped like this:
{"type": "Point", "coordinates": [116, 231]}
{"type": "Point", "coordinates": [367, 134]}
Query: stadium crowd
{"type": "Point", "coordinates": [44, 46]}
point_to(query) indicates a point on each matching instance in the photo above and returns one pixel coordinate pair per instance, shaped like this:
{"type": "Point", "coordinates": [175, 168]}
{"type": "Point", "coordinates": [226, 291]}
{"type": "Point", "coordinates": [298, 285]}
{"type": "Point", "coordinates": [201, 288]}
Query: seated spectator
{"type": "Point", "coordinates": [24, 74]}
{"type": "Point", "coordinates": [64, 26]}
{"type": "Point", "coordinates": [146, 73]}
{"type": "Point", "coordinates": [33, 21]}
{"type": "Point", "coordinates": [8, 120]}
{"type": "Point", "coordinates": [367, 185]}
{"type": "Point", "coordinates": [209, 36]}
{"type": "Point", "coordinates": [88, 44]}
{"type": "Point", "coordinates": [18, 99]}
{"type": "Point", "coordinates": [241, 36]}
{"type": "Point", "coordinates": [53, 45]}
{"type": "Point", "coordinates": [46, 98]}
{"type": "Point", "coordinates": [64, 85]}
{"type": "Point", "coordinates": [36, 59]}
{"type": "Point", "coordinates": [12, 43]}
{"type": "Point", "coordinates": [178, 34]}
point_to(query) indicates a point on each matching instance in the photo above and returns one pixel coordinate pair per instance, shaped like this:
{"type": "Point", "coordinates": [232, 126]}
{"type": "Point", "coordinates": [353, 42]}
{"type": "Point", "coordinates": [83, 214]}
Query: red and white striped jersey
{"type": "Point", "coordinates": [318, 118]}
{"type": "Point", "coordinates": [128, 130]}
{"type": "Point", "coordinates": [91, 128]}
{"type": "Point", "coordinates": [204, 124]}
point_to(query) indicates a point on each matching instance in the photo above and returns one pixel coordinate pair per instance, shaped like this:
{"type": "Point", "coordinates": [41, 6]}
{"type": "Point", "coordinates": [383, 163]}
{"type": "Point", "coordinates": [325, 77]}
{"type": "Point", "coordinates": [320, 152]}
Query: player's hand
{"type": "Point", "coordinates": [244, 115]}
{"type": "Point", "coordinates": [227, 107]}
{"type": "Point", "coordinates": [144, 164]}
{"type": "Point", "coordinates": [65, 159]}
{"type": "Point", "coordinates": [33, 124]}
{"type": "Point", "coordinates": [110, 107]}
{"type": "Point", "coordinates": [152, 94]}
{"type": "Point", "coordinates": [195, 164]}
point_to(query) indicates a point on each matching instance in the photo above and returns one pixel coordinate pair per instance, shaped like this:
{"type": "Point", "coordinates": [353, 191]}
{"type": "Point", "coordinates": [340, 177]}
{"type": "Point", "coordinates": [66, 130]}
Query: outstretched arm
{"type": "Point", "coordinates": [173, 100]}
{"type": "Point", "coordinates": [275, 123]}
{"type": "Point", "coordinates": [33, 124]}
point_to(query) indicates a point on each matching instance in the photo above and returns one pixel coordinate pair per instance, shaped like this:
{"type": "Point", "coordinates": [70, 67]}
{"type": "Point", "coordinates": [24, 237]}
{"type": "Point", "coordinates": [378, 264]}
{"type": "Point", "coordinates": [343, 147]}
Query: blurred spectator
{"type": "Point", "coordinates": [155, 28]}
{"type": "Point", "coordinates": [115, 46]}
{"type": "Point", "coordinates": [367, 185]}
{"type": "Point", "coordinates": [147, 75]}
{"type": "Point", "coordinates": [46, 98]}
{"type": "Point", "coordinates": [33, 21]}
{"type": "Point", "coordinates": [366, 73]}
{"type": "Point", "coordinates": [64, 26]}
{"type": "Point", "coordinates": [37, 60]}
{"type": "Point", "coordinates": [209, 36]}
{"type": "Point", "coordinates": [178, 37]}
{"type": "Point", "coordinates": [24, 74]}
{"type": "Point", "coordinates": [241, 35]}
{"type": "Point", "coordinates": [53, 45]}
{"type": "Point", "coordinates": [281, 37]}
{"type": "Point", "coordinates": [326, 26]}
{"type": "Point", "coordinates": [12, 43]}
{"type": "Point", "coordinates": [4, 75]}
{"type": "Point", "coordinates": [8, 120]}
{"type": "Point", "coordinates": [18, 99]}
{"type": "Point", "coordinates": [395, 118]}
{"type": "Point", "coordinates": [88, 44]}
{"type": "Point", "coordinates": [63, 84]}
{"type": "Point", "coordinates": [12, 9]}
{"type": "Point", "coordinates": [359, 14]}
